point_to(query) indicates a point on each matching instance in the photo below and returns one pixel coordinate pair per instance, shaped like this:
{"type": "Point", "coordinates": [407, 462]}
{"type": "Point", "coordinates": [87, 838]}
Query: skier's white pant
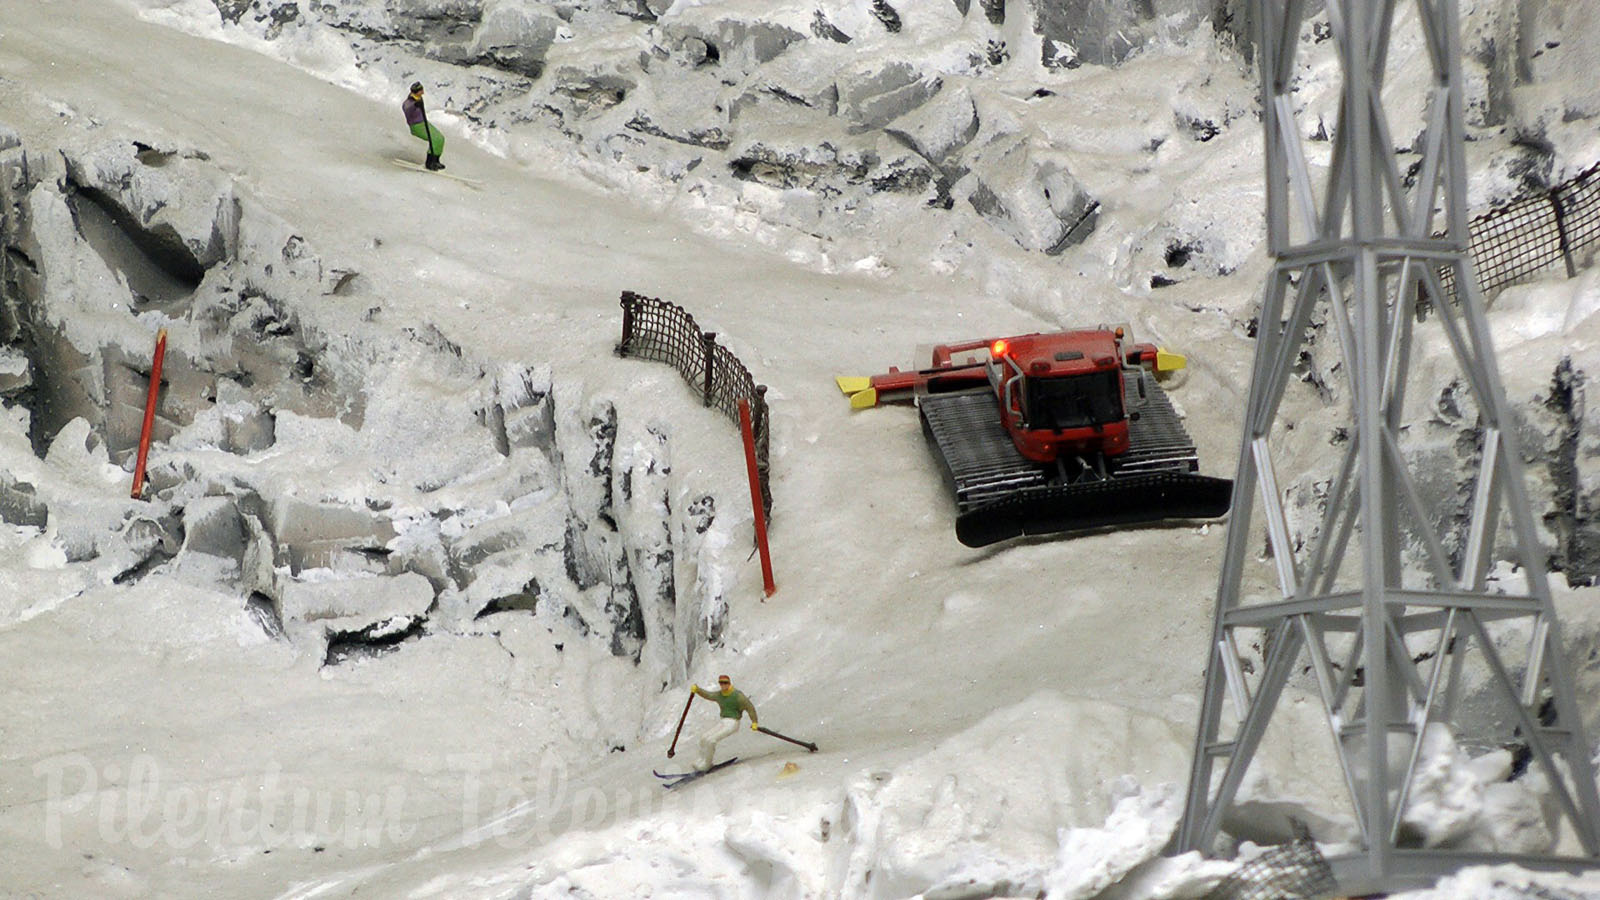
{"type": "Point", "coordinates": [708, 741]}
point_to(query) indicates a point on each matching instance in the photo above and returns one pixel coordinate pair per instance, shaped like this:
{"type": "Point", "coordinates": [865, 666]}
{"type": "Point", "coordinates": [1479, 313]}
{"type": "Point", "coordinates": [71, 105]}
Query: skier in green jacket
{"type": "Point", "coordinates": [734, 704]}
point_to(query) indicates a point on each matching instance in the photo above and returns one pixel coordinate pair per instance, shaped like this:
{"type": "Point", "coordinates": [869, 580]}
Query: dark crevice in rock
{"type": "Point", "coordinates": [786, 96]}
{"type": "Point", "coordinates": [1578, 551]}
{"type": "Point", "coordinates": [378, 555]}
{"type": "Point", "coordinates": [886, 14]}
{"type": "Point", "coordinates": [17, 257]}
{"type": "Point", "coordinates": [822, 28]}
{"type": "Point", "coordinates": [638, 10]}
{"type": "Point", "coordinates": [156, 541]}
{"type": "Point", "coordinates": [575, 620]}
{"type": "Point", "coordinates": [525, 600]}
{"type": "Point", "coordinates": [701, 512]}
{"type": "Point", "coordinates": [495, 419]}
{"type": "Point", "coordinates": [159, 251]}
{"type": "Point", "coordinates": [1078, 231]}
{"type": "Point", "coordinates": [903, 180]}
{"type": "Point", "coordinates": [1201, 130]}
{"type": "Point", "coordinates": [627, 619]}
{"type": "Point", "coordinates": [1178, 254]}
{"type": "Point", "coordinates": [430, 336]}
{"type": "Point", "coordinates": [509, 59]}
{"type": "Point", "coordinates": [265, 613]}
{"type": "Point", "coordinates": [141, 568]}
{"type": "Point", "coordinates": [373, 640]}
{"type": "Point", "coordinates": [603, 94]}
{"type": "Point", "coordinates": [710, 138]}
{"type": "Point", "coordinates": [603, 434]}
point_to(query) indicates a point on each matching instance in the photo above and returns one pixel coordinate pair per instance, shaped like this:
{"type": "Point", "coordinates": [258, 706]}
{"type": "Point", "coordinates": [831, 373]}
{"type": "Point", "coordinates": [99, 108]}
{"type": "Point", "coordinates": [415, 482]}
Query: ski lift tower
{"type": "Point", "coordinates": [1394, 613]}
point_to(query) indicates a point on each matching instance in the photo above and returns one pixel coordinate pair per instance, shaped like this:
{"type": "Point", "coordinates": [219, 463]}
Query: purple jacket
{"type": "Point", "coordinates": [413, 110]}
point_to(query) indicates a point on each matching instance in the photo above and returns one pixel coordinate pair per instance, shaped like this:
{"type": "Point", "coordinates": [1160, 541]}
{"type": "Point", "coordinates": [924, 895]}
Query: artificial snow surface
{"type": "Point", "coordinates": [1012, 720]}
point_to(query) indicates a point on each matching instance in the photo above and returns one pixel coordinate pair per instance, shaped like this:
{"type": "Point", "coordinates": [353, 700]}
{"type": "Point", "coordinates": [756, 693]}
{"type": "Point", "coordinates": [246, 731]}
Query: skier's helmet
{"type": "Point", "coordinates": [416, 87]}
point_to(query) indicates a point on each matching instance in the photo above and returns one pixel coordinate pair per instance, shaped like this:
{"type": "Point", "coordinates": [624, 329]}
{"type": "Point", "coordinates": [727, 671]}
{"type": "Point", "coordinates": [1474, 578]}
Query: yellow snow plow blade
{"type": "Point", "coordinates": [864, 399]}
{"type": "Point", "coordinates": [853, 384]}
{"type": "Point", "coordinates": [860, 390]}
{"type": "Point", "coordinates": [1169, 362]}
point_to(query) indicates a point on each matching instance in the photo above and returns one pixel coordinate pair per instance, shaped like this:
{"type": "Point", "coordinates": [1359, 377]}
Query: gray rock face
{"type": "Point", "coordinates": [735, 44]}
{"type": "Point", "coordinates": [514, 36]}
{"type": "Point", "coordinates": [1029, 195]}
{"type": "Point", "coordinates": [321, 536]}
{"type": "Point", "coordinates": [1106, 32]}
{"type": "Point", "coordinates": [685, 89]}
{"type": "Point", "coordinates": [355, 602]}
{"type": "Point", "coordinates": [940, 128]}
{"type": "Point", "coordinates": [519, 503]}
{"type": "Point", "coordinates": [873, 99]}
{"type": "Point", "coordinates": [20, 503]}
{"type": "Point", "coordinates": [734, 96]}
{"type": "Point", "coordinates": [213, 526]}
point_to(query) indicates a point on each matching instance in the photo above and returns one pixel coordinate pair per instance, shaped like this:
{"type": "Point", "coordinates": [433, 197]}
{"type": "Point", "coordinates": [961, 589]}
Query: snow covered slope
{"type": "Point", "coordinates": [1005, 721]}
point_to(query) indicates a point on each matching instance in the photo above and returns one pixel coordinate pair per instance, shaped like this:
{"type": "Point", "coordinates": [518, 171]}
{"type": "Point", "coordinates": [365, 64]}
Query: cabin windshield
{"type": "Point", "coordinates": [1075, 401]}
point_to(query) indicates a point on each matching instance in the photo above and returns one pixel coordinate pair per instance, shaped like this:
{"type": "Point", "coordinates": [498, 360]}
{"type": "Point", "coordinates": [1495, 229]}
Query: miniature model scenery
{"type": "Point", "coordinates": [732, 706]}
{"type": "Point", "coordinates": [416, 113]}
{"type": "Point", "coordinates": [367, 533]}
{"type": "Point", "coordinates": [1048, 433]}
{"type": "Point", "coordinates": [415, 109]}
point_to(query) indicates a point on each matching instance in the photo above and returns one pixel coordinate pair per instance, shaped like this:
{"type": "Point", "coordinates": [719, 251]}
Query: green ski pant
{"type": "Point", "coordinates": [432, 135]}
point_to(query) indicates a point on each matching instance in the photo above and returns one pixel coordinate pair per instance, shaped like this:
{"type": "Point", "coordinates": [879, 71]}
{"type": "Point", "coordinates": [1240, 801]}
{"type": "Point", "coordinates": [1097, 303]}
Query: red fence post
{"type": "Point", "coordinates": [755, 496]}
{"type": "Point", "coordinates": [149, 412]}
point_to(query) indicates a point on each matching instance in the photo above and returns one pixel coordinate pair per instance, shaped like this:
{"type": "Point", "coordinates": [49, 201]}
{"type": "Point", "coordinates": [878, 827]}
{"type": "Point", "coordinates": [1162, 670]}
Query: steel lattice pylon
{"type": "Point", "coordinates": [1390, 611]}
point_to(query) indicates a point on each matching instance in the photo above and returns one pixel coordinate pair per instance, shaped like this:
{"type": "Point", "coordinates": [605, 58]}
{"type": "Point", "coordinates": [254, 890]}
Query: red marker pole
{"type": "Point", "coordinates": [755, 496]}
{"type": "Point", "coordinates": [149, 413]}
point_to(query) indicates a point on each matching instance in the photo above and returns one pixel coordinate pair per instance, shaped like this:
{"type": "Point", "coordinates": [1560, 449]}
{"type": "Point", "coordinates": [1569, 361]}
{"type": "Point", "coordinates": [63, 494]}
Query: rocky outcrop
{"type": "Point", "coordinates": [1106, 32]}
{"type": "Point", "coordinates": [399, 516]}
{"type": "Point", "coordinates": [731, 98]}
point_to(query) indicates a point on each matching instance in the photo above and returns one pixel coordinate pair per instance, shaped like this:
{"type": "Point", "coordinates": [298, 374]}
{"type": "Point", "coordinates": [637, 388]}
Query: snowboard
{"type": "Point", "coordinates": [408, 164]}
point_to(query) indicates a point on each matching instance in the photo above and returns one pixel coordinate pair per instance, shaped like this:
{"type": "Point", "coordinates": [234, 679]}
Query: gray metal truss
{"type": "Point", "coordinates": [1382, 609]}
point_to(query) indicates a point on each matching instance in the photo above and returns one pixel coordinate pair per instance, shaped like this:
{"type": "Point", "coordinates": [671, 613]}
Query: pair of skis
{"type": "Point", "coordinates": [670, 780]}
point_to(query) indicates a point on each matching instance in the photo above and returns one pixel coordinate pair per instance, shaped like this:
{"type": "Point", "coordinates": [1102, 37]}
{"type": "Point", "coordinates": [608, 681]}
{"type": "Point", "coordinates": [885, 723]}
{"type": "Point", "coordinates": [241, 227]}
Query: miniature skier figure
{"type": "Point", "coordinates": [734, 705]}
{"type": "Point", "coordinates": [417, 120]}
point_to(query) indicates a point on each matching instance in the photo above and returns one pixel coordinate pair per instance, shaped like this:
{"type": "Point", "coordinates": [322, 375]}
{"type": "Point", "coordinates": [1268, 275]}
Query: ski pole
{"type": "Point", "coordinates": [784, 737]}
{"type": "Point", "coordinates": [681, 719]}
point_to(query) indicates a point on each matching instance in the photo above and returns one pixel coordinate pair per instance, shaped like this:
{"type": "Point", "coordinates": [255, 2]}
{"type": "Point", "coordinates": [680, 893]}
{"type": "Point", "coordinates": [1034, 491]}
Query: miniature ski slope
{"type": "Point", "coordinates": [1023, 709]}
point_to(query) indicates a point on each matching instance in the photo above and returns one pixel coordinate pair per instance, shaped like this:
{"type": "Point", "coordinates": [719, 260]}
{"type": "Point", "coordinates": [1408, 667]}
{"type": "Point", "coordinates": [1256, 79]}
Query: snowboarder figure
{"type": "Point", "coordinates": [417, 120]}
{"type": "Point", "coordinates": [734, 704]}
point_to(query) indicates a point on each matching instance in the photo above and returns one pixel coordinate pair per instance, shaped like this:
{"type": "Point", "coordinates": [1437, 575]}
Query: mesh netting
{"type": "Point", "coordinates": [665, 332]}
{"type": "Point", "coordinates": [1532, 233]}
{"type": "Point", "coordinates": [1292, 871]}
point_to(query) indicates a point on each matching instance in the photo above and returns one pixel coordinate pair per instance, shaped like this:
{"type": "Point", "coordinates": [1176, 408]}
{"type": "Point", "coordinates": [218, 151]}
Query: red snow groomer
{"type": "Point", "coordinates": [1046, 433]}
